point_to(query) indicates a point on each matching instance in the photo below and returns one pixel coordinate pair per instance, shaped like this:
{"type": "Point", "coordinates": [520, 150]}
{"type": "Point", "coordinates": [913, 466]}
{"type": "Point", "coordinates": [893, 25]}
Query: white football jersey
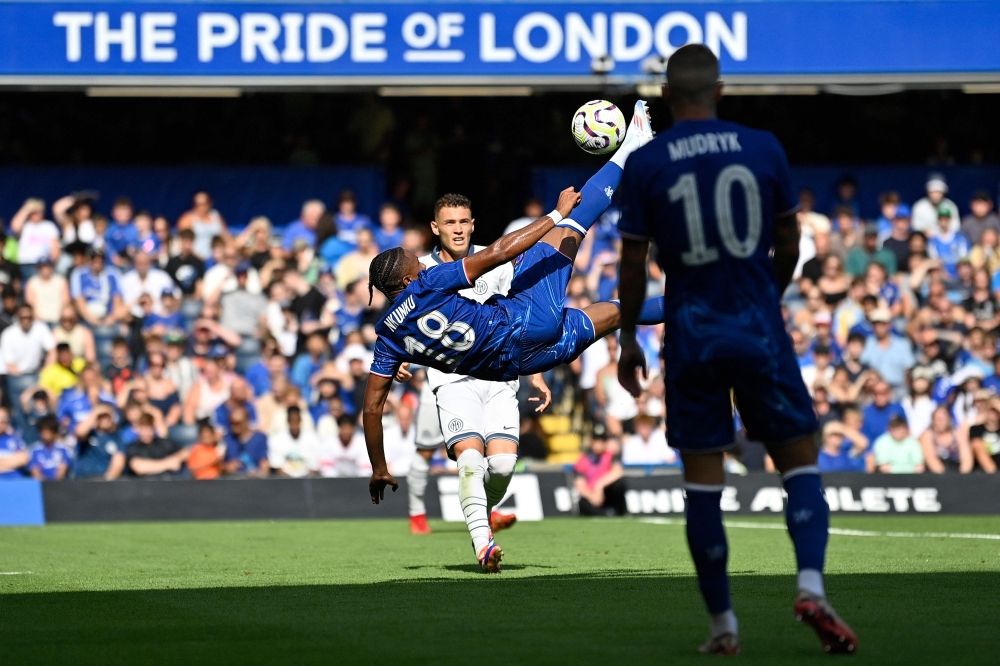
{"type": "Point", "coordinates": [496, 282]}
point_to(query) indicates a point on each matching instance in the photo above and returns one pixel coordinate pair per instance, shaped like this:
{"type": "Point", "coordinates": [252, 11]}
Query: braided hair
{"type": "Point", "coordinates": [385, 273]}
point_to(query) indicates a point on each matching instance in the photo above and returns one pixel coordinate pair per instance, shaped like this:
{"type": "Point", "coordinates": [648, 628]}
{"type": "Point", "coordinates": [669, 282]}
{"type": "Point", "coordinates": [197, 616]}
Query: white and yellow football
{"type": "Point", "coordinates": [599, 127]}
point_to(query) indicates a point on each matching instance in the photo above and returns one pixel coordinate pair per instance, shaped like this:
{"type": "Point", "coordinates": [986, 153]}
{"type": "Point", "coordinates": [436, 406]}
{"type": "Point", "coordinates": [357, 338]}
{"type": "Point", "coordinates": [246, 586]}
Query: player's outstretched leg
{"type": "Point", "coordinates": [499, 470]}
{"type": "Point", "coordinates": [808, 518]}
{"type": "Point", "coordinates": [606, 316]}
{"type": "Point", "coordinates": [472, 495]}
{"type": "Point", "coordinates": [596, 193]}
{"type": "Point", "coordinates": [416, 486]}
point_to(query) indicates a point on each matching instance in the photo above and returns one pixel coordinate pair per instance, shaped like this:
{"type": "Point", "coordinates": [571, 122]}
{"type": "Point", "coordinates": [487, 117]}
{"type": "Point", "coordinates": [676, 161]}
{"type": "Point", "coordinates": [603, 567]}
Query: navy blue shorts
{"type": "Point", "coordinates": [770, 394]}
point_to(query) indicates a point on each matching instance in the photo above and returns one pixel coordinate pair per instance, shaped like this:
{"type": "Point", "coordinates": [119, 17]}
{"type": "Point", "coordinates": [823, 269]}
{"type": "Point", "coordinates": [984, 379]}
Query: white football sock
{"type": "Point", "coordinates": [811, 581]}
{"type": "Point", "coordinates": [634, 139]}
{"type": "Point", "coordinates": [416, 483]}
{"type": "Point", "coordinates": [500, 468]}
{"type": "Point", "coordinates": [725, 623]}
{"type": "Point", "coordinates": [472, 495]}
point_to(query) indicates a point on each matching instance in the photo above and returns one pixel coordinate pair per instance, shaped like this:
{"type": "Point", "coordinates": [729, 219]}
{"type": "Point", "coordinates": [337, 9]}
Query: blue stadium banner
{"type": "Point", "coordinates": [477, 39]}
{"type": "Point", "coordinates": [21, 502]}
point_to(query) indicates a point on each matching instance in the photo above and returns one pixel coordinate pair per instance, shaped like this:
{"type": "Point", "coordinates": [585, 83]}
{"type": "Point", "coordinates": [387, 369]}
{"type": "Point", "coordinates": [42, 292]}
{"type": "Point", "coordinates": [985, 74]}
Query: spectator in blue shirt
{"type": "Point", "coordinates": [100, 453]}
{"type": "Point", "coordinates": [309, 363]}
{"type": "Point", "coordinates": [349, 220]}
{"type": "Point", "coordinates": [948, 245]}
{"type": "Point", "coordinates": [878, 414]}
{"type": "Point", "coordinates": [887, 354]}
{"type": "Point", "coordinates": [168, 320]}
{"type": "Point", "coordinates": [96, 291]}
{"type": "Point", "coordinates": [246, 450]}
{"type": "Point", "coordinates": [303, 228]}
{"type": "Point", "coordinates": [843, 449]}
{"type": "Point", "coordinates": [239, 398]}
{"type": "Point", "coordinates": [121, 239]}
{"type": "Point", "coordinates": [389, 233]}
{"type": "Point", "coordinates": [77, 403]}
{"type": "Point", "coordinates": [13, 453]}
{"type": "Point", "coordinates": [50, 460]}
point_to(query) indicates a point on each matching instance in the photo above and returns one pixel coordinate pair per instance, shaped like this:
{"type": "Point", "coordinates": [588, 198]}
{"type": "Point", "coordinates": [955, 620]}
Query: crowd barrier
{"type": "Point", "coordinates": [531, 496]}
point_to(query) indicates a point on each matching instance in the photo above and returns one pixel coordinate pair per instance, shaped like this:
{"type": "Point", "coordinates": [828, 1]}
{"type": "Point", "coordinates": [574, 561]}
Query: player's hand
{"type": "Point", "coordinates": [538, 383]}
{"type": "Point", "coordinates": [403, 374]}
{"type": "Point", "coordinates": [377, 484]}
{"type": "Point", "coordinates": [630, 360]}
{"type": "Point", "coordinates": [568, 200]}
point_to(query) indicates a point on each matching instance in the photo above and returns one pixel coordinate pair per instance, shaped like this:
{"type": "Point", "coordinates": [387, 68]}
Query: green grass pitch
{"type": "Point", "coordinates": [573, 591]}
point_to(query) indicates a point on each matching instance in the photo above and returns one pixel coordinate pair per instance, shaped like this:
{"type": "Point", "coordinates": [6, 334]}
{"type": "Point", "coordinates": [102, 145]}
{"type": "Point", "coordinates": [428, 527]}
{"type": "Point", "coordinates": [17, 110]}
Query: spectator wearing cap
{"type": "Point", "coordinates": [898, 239]}
{"type": "Point", "coordinates": [100, 453]}
{"type": "Point", "coordinates": [47, 292]}
{"type": "Point", "coordinates": [926, 210]}
{"type": "Point", "coordinates": [896, 452]}
{"type": "Point", "coordinates": [823, 326]}
{"type": "Point", "coordinates": [889, 355]}
{"type": "Point", "coordinates": [876, 416]}
{"type": "Point", "coordinates": [143, 279]}
{"type": "Point", "coordinates": [246, 449]}
{"type": "Point", "coordinates": [948, 245]}
{"type": "Point", "coordinates": [349, 220]}
{"type": "Point", "coordinates": [303, 228]}
{"type": "Point", "coordinates": [96, 292]}
{"type": "Point", "coordinates": [37, 238]}
{"type": "Point", "coordinates": [980, 218]}
{"type": "Point", "coordinates": [121, 238]}
{"type": "Point", "coordinates": [600, 476]}
{"type": "Point", "coordinates": [868, 252]}
{"type": "Point", "coordinates": [24, 348]}
{"type": "Point", "coordinates": [843, 449]}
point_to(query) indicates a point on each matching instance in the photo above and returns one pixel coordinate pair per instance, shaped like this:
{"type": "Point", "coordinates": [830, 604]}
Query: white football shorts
{"type": "Point", "coordinates": [475, 408]}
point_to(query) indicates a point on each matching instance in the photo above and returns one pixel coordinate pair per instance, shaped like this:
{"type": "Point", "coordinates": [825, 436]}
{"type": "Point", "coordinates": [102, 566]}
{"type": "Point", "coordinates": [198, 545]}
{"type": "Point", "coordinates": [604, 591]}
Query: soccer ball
{"type": "Point", "coordinates": [598, 127]}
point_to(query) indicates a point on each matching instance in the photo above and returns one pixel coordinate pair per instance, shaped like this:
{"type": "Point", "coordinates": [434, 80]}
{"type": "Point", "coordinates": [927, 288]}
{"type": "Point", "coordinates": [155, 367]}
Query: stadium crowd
{"type": "Point", "coordinates": [138, 346]}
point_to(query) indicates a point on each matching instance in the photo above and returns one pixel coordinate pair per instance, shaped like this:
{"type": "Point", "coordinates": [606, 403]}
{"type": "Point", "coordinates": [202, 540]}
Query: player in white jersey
{"type": "Point", "coordinates": [464, 408]}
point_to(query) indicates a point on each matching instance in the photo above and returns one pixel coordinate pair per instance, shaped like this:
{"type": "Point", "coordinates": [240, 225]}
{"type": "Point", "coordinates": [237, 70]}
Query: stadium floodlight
{"type": "Point", "coordinates": [602, 65]}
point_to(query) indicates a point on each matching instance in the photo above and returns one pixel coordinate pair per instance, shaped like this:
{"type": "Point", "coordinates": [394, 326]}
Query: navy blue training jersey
{"type": "Point", "coordinates": [707, 192]}
{"type": "Point", "coordinates": [431, 324]}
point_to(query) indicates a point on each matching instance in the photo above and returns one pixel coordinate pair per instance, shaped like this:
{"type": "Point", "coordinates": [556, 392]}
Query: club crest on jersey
{"type": "Point", "coordinates": [609, 191]}
{"type": "Point", "coordinates": [455, 425]}
{"type": "Point", "coordinates": [396, 317]}
{"type": "Point", "coordinates": [481, 287]}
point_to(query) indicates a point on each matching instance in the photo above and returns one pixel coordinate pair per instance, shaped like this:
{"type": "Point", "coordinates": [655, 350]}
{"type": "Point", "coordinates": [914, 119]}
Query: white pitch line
{"type": "Point", "coordinates": [15, 573]}
{"type": "Point", "coordinates": [837, 530]}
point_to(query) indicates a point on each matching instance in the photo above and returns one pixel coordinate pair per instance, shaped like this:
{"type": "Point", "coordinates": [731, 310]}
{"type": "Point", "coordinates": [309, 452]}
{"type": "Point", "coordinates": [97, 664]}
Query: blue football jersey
{"type": "Point", "coordinates": [707, 193]}
{"type": "Point", "coordinates": [431, 324]}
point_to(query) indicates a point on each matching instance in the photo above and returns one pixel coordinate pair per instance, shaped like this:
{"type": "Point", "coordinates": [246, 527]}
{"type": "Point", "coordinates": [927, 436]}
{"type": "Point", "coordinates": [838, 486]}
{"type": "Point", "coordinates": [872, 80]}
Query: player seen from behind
{"type": "Point", "coordinates": [526, 332]}
{"type": "Point", "coordinates": [716, 197]}
{"type": "Point", "coordinates": [464, 407]}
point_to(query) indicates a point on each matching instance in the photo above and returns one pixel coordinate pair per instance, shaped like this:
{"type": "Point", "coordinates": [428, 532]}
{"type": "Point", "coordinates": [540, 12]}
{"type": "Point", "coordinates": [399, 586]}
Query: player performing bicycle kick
{"type": "Point", "coordinates": [525, 332]}
{"type": "Point", "coordinates": [464, 407]}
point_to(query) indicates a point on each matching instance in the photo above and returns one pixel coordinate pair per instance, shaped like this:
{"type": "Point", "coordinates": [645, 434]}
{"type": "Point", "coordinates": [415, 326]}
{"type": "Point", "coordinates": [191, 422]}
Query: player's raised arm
{"type": "Point", "coordinates": [508, 247]}
{"type": "Point", "coordinates": [786, 249]}
{"type": "Point", "coordinates": [375, 394]}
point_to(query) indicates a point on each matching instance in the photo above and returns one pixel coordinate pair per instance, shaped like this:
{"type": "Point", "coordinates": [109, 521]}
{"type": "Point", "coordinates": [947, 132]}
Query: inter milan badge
{"type": "Point", "coordinates": [455, 425]}
{"type": "Point", "coordinates": [481, 287]}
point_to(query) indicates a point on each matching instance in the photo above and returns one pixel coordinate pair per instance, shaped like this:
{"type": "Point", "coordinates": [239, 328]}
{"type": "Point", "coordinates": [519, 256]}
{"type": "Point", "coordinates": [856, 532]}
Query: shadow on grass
{"type": "Point", "coordinates": [613, 618]}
